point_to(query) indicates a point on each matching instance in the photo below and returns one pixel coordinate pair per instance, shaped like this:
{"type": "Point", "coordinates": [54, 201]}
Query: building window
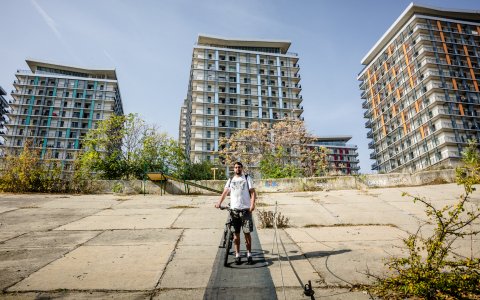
{"type": "Point", "coordinates": [209, 134]}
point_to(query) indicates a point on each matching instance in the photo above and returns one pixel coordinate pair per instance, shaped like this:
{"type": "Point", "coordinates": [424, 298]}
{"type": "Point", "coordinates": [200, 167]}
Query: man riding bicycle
{"type": "Point", "coordinates": [242, 198]}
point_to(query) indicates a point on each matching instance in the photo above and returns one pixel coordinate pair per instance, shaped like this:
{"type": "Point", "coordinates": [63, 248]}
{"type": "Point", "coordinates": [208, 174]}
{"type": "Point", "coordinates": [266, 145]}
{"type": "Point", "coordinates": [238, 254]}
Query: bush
{"type": "Point", "coordinates": [30, 172]}
{"type": "Point", "coordinates": [267, 219]}
{"type": "Point", "coordinates": [118, 188]}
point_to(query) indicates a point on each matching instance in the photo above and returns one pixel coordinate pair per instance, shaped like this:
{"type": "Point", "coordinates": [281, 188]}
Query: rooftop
{"type": "Point", "coordinates": [343, 138]}
{"type": "Point", "coordinates": [40, 65]}
{"type": "Point", "coordinates": [210, 40]}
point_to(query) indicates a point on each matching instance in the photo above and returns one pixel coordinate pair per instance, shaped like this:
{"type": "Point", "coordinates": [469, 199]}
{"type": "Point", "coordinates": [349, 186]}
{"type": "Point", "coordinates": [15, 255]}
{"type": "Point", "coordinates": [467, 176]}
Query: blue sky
{"type": "Point", "coordinates": [150, 45]}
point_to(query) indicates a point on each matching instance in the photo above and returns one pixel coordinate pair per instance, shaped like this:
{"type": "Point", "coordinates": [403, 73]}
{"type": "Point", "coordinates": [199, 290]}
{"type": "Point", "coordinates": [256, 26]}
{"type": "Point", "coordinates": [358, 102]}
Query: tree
{"type": "Point", "coordinates": [284, 149]}
{"type": "Point", "coordinates": [202, 171]}
{"type": "Point", "coordinates": [125, 147]}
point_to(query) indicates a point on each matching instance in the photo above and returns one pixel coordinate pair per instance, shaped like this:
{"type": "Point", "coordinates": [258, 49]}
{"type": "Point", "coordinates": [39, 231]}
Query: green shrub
{"type": "Point", "coordinates": [118, 188]}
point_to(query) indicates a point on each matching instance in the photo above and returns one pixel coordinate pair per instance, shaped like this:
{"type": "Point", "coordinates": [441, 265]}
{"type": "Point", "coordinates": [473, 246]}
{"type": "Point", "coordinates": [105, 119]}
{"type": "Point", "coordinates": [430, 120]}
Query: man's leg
{"type": "Point", "coordinates": [236, 241]}
{"type": "Point", "coordinates": [247, 228]}
{"type": "Point", "coordinates": [248, 242]}
{"type": "Point", "coordinates": [237, 224]}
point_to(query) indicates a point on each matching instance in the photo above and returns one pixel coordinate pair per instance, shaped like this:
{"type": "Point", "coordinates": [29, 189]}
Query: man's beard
{"type": "Point", "coordinates": [239, 172]}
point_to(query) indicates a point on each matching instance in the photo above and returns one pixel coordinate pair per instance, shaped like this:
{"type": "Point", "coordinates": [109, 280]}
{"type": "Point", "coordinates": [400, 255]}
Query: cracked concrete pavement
{"type": "Point", "coordinates": [164, 247]}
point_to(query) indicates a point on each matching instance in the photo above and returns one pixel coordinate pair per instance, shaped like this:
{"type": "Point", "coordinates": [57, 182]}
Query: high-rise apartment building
{"type": "Point", "coordinates": [234, 83]}
{"type": "Point", "coordinates": [342, 158]}
{"type": "Point", "coordinates": [55, 105]}
{"type": "Point", "coordinates": [421, 89]}
{"type": "Point", "coordinates": [4, 110]}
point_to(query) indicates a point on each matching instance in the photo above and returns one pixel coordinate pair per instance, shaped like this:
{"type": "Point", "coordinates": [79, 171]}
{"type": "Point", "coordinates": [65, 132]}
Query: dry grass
{"type": "Point", "coordinates": [181, 207]}
{"type": "Point", "coordinates": [348, 225]}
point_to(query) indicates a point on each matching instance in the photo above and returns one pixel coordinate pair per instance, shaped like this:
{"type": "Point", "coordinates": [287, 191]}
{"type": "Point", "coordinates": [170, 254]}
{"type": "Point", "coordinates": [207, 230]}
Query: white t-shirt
{"type": "Point", "coordinates": [239, 193]}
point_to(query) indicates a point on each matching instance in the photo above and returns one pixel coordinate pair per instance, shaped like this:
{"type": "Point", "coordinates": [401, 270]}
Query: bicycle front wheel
{"type": "Point", "coordinates": [223, 243]}
{"type": "Point", "coordinates": [228, 246]}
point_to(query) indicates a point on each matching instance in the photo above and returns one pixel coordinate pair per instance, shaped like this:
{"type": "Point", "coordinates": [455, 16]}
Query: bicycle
{"type": "Point", "coordinates": [227, 241]}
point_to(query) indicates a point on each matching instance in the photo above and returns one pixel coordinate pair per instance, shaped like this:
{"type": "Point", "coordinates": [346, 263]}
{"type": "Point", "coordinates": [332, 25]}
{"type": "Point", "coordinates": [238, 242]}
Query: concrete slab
{"type": "Point", "coordinates": [181, 293]}
{"type": "Point", "coordinates": [48, 239]}
{"type": "Point", "coordinates": [205, 217]}
{"type": "Point", "coordinates": [310, 213]}
{"type": "Point", "coordinates": [74, 295]}
{"type": "Point", "coordinates": [6, 208]}
{"type": "Point", "coordinates": [133, 212]}
{"type": "Point", "coordinates": [102, 267]}
{"type": "Point", "coordinates": [16, 264]}
{"type": "Point", "coordinates": [80, 202]}
{"type": "Point", "coordinates": [136, 237]}
{"type": "Point", "coordinates": [98, 222]}
{"type": "Point", "coordinates": [194, 273]}
{"type": "Point", "coordinates": [6, 235]}
{"type": "Point", "coordinates": [355, 233]}
{"type": "Point", "coordinates": [38, 219]}
{"type": "Point", "coordinates": [201, 237]}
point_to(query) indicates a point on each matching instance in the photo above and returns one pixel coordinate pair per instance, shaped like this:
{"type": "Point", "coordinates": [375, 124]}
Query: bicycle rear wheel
{"type": "Point", "coordinates": [227, 248]}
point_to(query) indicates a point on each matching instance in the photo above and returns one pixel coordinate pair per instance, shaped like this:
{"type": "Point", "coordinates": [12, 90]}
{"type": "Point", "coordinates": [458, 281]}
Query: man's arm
{"type": "Point", "coordinates": [252, 199]}
{"type": "Point", "coordinates": [222, 197]}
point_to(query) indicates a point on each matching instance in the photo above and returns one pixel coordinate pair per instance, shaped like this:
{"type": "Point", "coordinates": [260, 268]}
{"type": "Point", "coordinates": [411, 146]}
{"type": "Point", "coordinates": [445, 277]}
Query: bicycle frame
{"type": "Point", "coordinates": [227, 241]}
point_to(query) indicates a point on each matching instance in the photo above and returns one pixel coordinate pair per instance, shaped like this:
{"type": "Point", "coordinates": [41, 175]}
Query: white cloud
{"type": "Point", "coordinates": [50, 22]}
{"type": "Point", "coordinates": [110, 57]}
{"type": "Point", "coordinates": [53, 26]}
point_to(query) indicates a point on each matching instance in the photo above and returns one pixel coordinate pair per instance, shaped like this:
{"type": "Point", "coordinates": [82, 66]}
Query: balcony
{"type": "Point", "coordinates": [368, 124]}
{"type": "Point", "coordinates": [370, 134]}
{"type": "Point", "coordinates": [373, 155]}
{"type": "Point", "coordinates": [365, 104]}
{"type": "Point", "coordinates": [375, 166]}
{"type": "Point", "coordinates": [371, 145]}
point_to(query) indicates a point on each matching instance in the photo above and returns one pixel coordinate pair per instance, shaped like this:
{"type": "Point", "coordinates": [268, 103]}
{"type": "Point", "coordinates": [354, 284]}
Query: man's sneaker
{"type": "Point", "coordinates": [238, 260]}
{"type": "Point", "coordinates": [249, 260]}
